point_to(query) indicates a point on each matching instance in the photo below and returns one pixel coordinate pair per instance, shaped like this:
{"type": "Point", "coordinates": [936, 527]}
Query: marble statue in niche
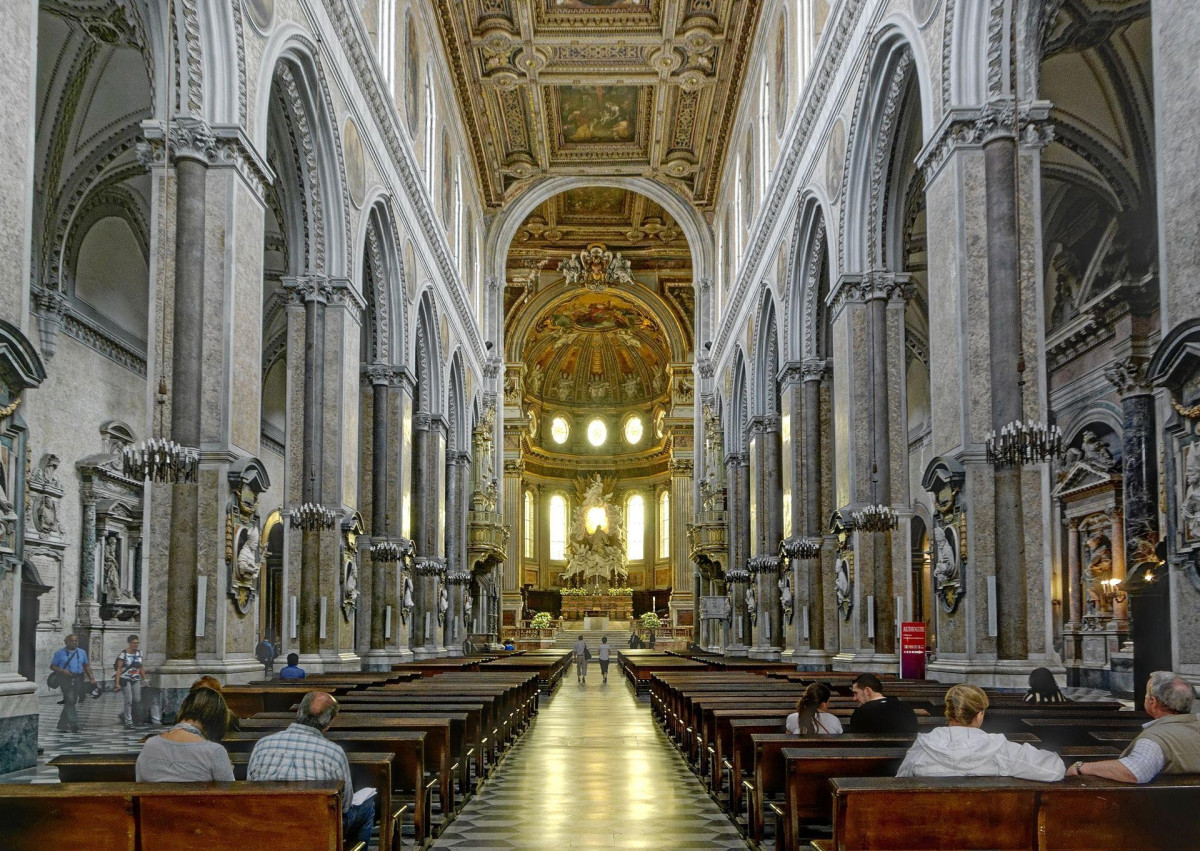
{"type": "Point", "coordinates": [841, 586]}
{"type": "Point", "coordinates": [787, 595]}
{"type": "Point", "coordinates": [112, 569]}
{"type": "Point", "coordinates": [443, 603]}
{"type": "Point", "coordinates": [1092, 451]}
{"type": "Point", "coordinates": [752, 604]}
{"type": "Point", "coordinates": [1189, 507]}
{"type": "Point", "coordinates": [406, 597]}
{"type": "Point", "coordinates": [246, 568]}
{"type": "Point", "coordinates": [350, 587]}
{"type": "Point", "coordinates": [44, 480]}
{"type": "Point", "coordinates": [468, 605]}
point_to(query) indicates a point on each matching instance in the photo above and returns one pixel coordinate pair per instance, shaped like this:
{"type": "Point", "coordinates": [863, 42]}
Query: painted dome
{"type": "Point", "coordinates": [596, 350]}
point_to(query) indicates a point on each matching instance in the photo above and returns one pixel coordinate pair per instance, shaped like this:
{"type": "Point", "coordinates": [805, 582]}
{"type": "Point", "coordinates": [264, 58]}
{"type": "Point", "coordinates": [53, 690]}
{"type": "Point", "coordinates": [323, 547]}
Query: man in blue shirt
{"type": "Point", "coordinates": [71, 664]}
{"type": "Point", "coordinates": [292, 671]}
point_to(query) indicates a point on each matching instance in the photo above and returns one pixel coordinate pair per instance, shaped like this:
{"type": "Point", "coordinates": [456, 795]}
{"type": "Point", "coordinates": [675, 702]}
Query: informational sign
{"type": "Point", "coordinates": [912, 650]}
{"type": "Point", "coordinates": [714, 608]}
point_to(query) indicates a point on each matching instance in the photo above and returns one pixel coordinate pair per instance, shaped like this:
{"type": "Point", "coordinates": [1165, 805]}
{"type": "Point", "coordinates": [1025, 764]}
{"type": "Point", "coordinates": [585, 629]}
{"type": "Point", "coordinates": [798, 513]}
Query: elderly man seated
{"type": "Point", "coordinates": [1169, 744]}
{"type": "Point", "coordinates": [301, 752]}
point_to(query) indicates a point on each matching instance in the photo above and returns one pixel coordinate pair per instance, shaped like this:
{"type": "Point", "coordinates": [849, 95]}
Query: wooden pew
{"type": "Point", "coordinates": [409, 781]}
{"type": "Point", "coordinates": [1001, 813]}
{"type": "Point", "coordinates": [172, 816]}
{"type": "Point", "coordinates": [366, 770]}
{"type": "Point", "coordinates": [438, 740]}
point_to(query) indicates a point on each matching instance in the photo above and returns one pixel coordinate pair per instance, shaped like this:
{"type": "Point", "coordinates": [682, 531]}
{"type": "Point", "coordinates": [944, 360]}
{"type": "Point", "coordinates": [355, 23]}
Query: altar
{"type": "Point", "coordinates": [615, 608]}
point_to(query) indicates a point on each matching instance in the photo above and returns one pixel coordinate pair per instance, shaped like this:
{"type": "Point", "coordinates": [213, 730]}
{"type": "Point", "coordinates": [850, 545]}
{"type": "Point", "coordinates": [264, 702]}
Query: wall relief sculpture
{"type": "Point", "coordinates": [352, 529]}
{"type": "Point", "coordinates": [945, 478]}
{"type": "Point", "coordinates": [843, 565]}
{"type": "Point", "coordinates": [244, 553]}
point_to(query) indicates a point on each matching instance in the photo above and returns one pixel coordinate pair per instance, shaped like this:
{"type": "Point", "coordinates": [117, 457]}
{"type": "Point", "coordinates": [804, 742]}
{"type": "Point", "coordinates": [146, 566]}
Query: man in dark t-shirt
{"type": "Point", "coordinates": [877, 713]}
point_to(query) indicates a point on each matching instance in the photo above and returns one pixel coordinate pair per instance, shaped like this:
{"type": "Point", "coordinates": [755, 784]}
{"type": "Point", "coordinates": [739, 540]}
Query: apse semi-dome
{"type": "Point", "coordinates": [596, 350]}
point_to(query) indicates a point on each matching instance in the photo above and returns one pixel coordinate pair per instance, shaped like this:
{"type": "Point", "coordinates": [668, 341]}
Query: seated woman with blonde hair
{"type": "Point", "coordinates": [962, 749]}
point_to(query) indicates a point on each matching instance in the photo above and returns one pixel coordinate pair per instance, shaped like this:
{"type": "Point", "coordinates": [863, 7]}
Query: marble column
{"type": "Point", "coordinates": [765, 565]}
{"type": "Point", "coordinates": [1074, 589]}
{"type": "Point", "coordinates": [458, 475]}
{"type": "Point", "coordinates": [514, 472]}
{"type": "Point", "coordinates": [429, 494]}
{"type": "Point", "coordinates": [380, 376]}
{"type": "Point", "coordinates": [1005, 365]}
{"type": "Point", "coordinates": [814, 373]}
{"type": "Point", "coordinates": [682, 569]}
{"type": "Point", "coordinates": [1149, 601]}
{"type": "Point", "coordinates": [737, 475]}
{"type": "Point", "coordinates": [187, 355]}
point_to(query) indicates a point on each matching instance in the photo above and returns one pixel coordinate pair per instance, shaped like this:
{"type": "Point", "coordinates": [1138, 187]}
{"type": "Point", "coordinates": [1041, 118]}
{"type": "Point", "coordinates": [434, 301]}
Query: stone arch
{"type": "Point", "coordinates": [427, 357]}
{"type": "Point", "coordinates": [294, 80]}
{"type": "Point", "coordinates": [894, 65]}
{"type": "Point", "coordinates": [739, 405]}
{"type": "Point", "coordinates": [459, 432]}
{"type": "Point", "coordinates": [382, 285]}
{"type": "Point", "coordinates": [767, 358]}
{"type": "Point", "coordinates": [808, 285]}
{"type": "Point", "coordinates": [965, 53]}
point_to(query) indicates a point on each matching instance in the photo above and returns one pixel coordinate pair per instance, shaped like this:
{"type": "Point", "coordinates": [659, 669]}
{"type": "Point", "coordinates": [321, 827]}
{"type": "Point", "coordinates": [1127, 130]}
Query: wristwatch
{"type": "Point", "coordinates": [1078, 766]}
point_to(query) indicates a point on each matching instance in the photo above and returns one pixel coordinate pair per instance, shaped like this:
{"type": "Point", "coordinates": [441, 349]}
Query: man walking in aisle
{"type": "Point", "coordinates": [581, 659]}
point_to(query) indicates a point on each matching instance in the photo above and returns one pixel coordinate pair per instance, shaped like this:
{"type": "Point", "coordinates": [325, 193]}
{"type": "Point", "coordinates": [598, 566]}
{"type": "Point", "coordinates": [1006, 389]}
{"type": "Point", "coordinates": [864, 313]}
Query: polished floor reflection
{"type": "Point", "coordinates": [594, 771]}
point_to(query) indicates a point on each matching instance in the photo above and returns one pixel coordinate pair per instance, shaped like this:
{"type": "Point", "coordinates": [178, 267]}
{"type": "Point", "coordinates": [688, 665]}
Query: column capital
{"type": "Point", "coordinates": [307, 288]}
{"type": "Point", "coordinates": [968, 127]}
{"type": "Point", "coordinates": [343, 293]}
{"type": "Point", "coordinates": [737, 459]}
{"type": "Point", "coordinates": [765, 423]}
{"type": "Point", "coordinates": [514, 467]}
{"type": "Point", "coordinates": [378, 374]}
{"type": "Point", "coordinates": [424, 421]}
{"type": "Point", "coordinates": [213, 145]}
{"type": "Point", "coordinates": [874, 285]}
{"type": "Point", "coordinates": [1128, 375]}
{"type": "Point", "coordinates": [680, 466]}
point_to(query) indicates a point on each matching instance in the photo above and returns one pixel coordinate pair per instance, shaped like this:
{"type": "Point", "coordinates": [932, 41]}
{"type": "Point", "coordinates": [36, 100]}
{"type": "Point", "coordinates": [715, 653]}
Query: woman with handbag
{"type": "Point", "coordinates": [67, 670]}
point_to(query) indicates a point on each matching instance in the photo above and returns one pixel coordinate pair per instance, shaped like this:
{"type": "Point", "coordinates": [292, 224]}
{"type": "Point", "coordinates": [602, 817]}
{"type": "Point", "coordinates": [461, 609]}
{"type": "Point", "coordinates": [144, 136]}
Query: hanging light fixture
{"type": "Point", "coordinates": [874, 518]}
{"type": "Point", "coordinates": [1027, 442]}
{"type": "Point", "coordinates": [310, 517]}
{"type": "Point", "coordinates": [160, 461]}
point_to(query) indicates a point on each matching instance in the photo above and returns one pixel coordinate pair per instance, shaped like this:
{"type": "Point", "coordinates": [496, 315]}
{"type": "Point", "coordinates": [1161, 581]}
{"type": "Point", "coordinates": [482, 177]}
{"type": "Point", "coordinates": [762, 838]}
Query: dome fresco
{"type": "Point", "coordinates": [596, 350]}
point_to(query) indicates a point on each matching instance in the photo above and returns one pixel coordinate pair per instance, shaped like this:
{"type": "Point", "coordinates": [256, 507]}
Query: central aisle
{"type": "Point", "coordinates": [594, 771]}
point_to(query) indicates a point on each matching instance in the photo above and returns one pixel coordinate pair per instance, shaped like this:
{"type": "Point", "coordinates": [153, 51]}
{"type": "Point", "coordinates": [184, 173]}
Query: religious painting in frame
{"type": "Point", "coordinates": [412, 75]}
{"type": "Point", "coordinates": [598, 114]}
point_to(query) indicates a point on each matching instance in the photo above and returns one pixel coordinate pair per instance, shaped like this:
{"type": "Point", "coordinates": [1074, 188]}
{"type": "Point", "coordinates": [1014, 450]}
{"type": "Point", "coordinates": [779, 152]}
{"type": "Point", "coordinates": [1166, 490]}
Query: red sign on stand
{"type": "Point", "coordinates": [912, 651]}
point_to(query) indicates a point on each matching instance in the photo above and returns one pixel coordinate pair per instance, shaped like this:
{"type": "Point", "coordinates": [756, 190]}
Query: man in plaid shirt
{"type": "Point", "coordinates": [301, 752]}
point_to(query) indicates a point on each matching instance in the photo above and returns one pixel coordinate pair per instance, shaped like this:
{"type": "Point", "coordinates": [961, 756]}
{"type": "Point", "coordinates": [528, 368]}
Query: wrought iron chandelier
{"type": "Point", "coordinates": [874, 518]}
{"type": "Point", "coordinates": [160, 461]}
{"type": "Point", "coordinates": [389, 551]}
{"type": "Point", "coordinates": [1024, 443]}
{"type": "Point", "coordinates": [596, 268]}
{"type": "Point", "coordinates": [310, 517]}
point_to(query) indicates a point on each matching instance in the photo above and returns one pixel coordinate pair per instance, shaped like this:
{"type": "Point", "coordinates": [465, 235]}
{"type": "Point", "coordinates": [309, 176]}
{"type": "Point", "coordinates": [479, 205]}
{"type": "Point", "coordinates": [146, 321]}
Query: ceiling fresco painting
{"type": "Point", "coordinates": [596, 350]}
{"type": "Point", "coordinates": [581, 87]}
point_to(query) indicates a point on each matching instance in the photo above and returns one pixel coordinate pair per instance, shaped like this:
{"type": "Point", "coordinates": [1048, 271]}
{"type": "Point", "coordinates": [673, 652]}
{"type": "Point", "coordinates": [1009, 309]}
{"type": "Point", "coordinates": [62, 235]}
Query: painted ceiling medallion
{"type": "Point", "coordinates": [596, 268]}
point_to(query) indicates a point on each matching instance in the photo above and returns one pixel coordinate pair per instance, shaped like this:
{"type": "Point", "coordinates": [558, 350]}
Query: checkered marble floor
{"type": "Point", "coordinates": [593, 771]}
{"type": "Point", "coordinates": [100, 731]}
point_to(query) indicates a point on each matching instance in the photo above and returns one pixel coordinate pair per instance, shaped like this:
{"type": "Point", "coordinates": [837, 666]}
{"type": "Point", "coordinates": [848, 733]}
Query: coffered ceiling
{"type": "Point", "coordinates": [598, 87]}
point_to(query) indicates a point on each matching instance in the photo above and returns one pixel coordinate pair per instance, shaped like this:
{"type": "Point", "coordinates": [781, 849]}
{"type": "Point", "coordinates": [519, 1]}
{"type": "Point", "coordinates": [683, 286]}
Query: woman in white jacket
{"type": "Point", "coordinates": [962, 749]}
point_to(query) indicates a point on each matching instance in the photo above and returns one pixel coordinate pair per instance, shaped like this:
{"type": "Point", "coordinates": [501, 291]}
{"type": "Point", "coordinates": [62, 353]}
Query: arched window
{"type": "Point", "coordinates": [558, 527]}
{"type": "Point", "coordinates": [635, 527]}
{"type": "Point", "coordinates": [664, 525]}
{"type": "Point", "coordinates": [528, 547]}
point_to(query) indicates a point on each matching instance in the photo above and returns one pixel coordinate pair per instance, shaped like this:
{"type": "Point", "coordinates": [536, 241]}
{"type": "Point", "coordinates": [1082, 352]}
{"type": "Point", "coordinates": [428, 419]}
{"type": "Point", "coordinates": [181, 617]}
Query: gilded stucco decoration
{"type": "Point", "coordinates": [574, 87]}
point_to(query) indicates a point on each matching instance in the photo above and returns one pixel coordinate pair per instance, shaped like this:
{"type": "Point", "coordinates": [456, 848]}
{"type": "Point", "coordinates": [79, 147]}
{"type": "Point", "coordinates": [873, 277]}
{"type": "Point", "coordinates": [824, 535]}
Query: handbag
{"type": "Point", "coordinates": [57, 680]}
{"type": "Point", "coordinates": [52, 680]}
{"type": "Point", "coordinates": [587, 653]}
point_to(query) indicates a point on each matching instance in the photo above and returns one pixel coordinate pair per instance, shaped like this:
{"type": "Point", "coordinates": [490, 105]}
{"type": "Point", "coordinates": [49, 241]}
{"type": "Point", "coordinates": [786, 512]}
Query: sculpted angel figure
{"type": "Point", "coordinates": [946, 566]}
{"type": "Point", "coordinates": [245, 571]}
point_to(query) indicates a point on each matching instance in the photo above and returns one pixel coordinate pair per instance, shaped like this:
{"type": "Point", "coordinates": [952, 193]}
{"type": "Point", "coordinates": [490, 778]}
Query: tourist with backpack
{"type": "Point", "coordinates": [129, 677]}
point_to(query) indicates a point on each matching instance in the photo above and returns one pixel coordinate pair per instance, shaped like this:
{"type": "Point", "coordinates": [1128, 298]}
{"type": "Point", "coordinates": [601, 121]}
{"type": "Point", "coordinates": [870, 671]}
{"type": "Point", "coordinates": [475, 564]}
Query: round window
{"type": "Point", "coordinates": [559, 430]}
{"type": "Point", "coordinates": [597, 432]}
{"type": "Point", "coordinates": [633, 429]}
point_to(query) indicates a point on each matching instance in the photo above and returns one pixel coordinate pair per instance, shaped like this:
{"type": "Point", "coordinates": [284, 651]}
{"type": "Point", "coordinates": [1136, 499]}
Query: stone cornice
{"type": "Point", "coordinates": [974, 128]}
{"type": "Point", "coordinates": [344, 294]}
{"type": "Point", "coordinates": [765, 423]}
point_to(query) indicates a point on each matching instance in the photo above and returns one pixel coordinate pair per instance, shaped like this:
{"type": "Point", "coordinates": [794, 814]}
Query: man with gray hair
{"type": "Point", "coordinates": [301, 752]}
{"type": "Point", "coordinates": [1168, 744]}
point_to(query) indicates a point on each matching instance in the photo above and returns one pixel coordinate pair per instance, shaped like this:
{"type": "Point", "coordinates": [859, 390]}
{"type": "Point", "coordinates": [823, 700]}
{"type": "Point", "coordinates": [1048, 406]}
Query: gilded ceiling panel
{"type": "Point", "coordinates": [598, 87]}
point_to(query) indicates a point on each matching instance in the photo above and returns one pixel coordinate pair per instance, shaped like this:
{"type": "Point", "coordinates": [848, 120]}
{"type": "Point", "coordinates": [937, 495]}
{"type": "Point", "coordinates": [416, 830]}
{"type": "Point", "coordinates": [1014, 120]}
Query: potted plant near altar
{"type": "Point", "coordinates": [651, 622]}
{"type": "Point", "coordinates": [544, 624]}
